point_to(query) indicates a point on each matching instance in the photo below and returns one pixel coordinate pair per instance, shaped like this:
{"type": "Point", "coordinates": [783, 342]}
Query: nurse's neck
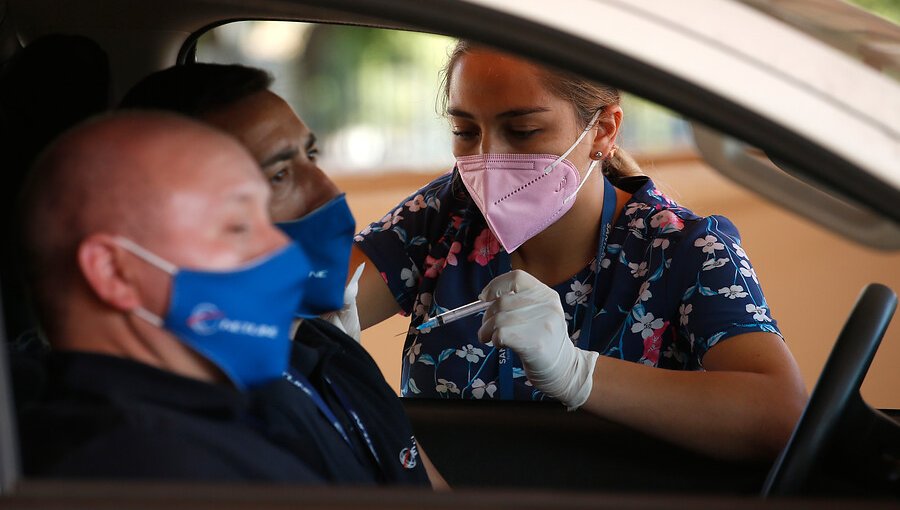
{"type": "Point", "coordinates": [570, 244]}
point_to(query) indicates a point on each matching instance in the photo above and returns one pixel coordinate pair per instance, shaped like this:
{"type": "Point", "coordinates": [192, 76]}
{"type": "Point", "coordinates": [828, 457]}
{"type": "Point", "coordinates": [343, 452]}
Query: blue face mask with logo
{"type": "Point", "coordinates": [325, 236]}
{"type": "Point", "coordinates": [238, 319]}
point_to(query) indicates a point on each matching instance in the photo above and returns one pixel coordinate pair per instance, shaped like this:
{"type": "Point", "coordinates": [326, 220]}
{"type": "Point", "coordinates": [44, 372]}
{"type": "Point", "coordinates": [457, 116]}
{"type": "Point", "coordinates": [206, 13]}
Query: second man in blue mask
{"type": "Point", "coordinates": [340, 378]}
{"type": "Point", "coordinates": [305, 203]}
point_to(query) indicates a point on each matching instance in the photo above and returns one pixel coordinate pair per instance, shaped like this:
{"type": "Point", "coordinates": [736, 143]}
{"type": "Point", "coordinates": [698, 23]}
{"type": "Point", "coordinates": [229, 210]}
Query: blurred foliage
{"type": "Point", "coordinates": [366, 74]}
{"type": "Point", "coordinates": [889, 9]}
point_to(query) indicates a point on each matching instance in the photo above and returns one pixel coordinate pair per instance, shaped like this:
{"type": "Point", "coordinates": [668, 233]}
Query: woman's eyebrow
{"type": "Point", "coordinates": [516, 112]}
{"type": "Point", "coordinates": [456, 112]}
{"type": "Point", "coordinates": [285, 154]}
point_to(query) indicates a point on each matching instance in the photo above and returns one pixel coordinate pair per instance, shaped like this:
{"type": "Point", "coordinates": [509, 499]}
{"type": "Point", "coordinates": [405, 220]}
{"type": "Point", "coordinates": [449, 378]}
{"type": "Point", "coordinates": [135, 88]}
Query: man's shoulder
{"type": "Point", "coordinates": [350, 368]}
{"type": "Point", "coordinates": [176, 453]}
{"type": "Point", "coordinates": [130, 421]}
{"type": "Point", "coordinates": [152, 442]}
{"type": "Point", "coordinates": [334, 345]}
{"type": "Point", "coordinates": [130, 451]}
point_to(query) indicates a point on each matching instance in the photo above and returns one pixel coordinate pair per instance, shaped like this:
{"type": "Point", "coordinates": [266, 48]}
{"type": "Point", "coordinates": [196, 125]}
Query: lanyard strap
{"type": "Point", "coordinates": [506, 373]}
{"type": "Point", "coordinates": [300, 381]}
{"type": "Point", "coordinates": [606, 223]}
{"type": "Point", "coordinates": [584, 339]}
{"type": "Point", "coordinates": [360, 426]}
{"type": "Point", "coordinates": [505, 357]}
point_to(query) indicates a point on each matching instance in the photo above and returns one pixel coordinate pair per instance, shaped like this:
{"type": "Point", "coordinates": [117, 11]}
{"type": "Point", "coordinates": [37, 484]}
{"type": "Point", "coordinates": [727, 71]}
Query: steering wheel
{"type": "Point", "coordinates": [836, 393]}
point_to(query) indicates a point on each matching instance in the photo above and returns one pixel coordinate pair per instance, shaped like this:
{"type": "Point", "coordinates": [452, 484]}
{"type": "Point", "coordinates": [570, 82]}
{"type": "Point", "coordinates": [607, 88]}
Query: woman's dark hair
{"type": "Point", "coordinates": [196, 89]}
{"type": "Point", "coordinates": [585, 96]}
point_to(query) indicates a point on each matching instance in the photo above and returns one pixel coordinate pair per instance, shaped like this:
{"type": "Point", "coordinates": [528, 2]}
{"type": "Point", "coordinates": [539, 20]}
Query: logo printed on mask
{"type": "Point", "coordinates": [206, 319]}
{"type": "Point", "coordinates": [408, 455]}
{"type": "Point", "coordinates": [323, 273]}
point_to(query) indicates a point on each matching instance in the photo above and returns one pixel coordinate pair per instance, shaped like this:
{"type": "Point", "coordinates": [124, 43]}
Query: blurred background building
{"type": "Point", "coordinates": [372, 96]}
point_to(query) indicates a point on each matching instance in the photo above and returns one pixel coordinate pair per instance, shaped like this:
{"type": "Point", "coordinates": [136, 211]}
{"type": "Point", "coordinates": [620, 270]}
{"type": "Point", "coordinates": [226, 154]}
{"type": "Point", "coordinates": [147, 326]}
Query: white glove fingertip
{"type": "Point", "coordinates": [347, 318]}
{"type": "Point", "coordinates": [353, 285]}
{"type": "Point", "coordinates": [358, 273]}
{"type": "Point", "coordinates": [486, 331]}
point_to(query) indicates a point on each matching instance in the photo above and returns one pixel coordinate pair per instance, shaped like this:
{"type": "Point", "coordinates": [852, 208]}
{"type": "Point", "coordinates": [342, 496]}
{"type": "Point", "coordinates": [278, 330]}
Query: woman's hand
{"type": "Point", "coordinates": [528, 318]}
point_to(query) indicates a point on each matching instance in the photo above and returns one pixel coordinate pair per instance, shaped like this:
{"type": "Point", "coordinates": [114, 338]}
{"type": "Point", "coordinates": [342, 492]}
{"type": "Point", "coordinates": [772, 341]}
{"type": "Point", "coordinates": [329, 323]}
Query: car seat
{"type": "Point", "coordinates": [53, 83]}
{"type": "Point", "coordinates": [45, 88]}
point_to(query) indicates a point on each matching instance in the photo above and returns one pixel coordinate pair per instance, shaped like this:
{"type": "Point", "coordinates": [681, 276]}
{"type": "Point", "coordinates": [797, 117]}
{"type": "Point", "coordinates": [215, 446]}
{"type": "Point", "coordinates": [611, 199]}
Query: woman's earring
{"type": "Point", "coordinates": [598, 155]}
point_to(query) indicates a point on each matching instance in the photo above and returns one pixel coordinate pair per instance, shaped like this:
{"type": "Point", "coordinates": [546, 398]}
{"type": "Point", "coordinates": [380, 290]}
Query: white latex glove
{"type": "Point", "coordinates": [528, 318]}
{"type": "Point", "coordinates": [347, 318]}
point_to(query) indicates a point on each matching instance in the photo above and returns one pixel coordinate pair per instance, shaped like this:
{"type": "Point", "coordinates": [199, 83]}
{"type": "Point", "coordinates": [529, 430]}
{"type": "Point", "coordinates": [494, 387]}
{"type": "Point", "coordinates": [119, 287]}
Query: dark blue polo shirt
{"type": "Point", "coordinates": [109, 417]}
{"type": "Point", "coordinates": [384, 448]}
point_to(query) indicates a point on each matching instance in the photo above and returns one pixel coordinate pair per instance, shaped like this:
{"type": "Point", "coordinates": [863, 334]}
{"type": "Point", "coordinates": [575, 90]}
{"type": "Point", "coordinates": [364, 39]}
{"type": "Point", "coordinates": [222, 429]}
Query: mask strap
{"type": "Point", "coordinates": [148, 316]}
{"type": "Point", "coordinates": [146, 255]}
{"type": "Point", "coordinates": [584, 133]}
{"type": "Point", "coordinates": [154, 260]}
{"type": "Point", "coordinates": [594, 164]}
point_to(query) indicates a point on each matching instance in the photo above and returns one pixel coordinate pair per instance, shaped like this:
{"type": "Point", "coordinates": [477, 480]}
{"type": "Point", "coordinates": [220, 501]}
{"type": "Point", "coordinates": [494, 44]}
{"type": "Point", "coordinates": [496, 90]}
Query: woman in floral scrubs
{"type": "Point", "coordinates": [689, 349]}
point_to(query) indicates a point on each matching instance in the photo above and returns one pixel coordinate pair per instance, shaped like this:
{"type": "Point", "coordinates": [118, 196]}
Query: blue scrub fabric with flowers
{"type": "Point", "coordinates": [672, 285]}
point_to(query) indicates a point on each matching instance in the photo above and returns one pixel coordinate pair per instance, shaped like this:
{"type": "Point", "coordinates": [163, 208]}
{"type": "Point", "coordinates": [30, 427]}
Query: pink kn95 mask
{"type": "Point", "coordinates": [522, 194]}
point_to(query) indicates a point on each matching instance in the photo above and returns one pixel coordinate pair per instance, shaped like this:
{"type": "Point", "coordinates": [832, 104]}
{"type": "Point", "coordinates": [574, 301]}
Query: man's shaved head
{"type": "Point", "coordinates": [115, 174]}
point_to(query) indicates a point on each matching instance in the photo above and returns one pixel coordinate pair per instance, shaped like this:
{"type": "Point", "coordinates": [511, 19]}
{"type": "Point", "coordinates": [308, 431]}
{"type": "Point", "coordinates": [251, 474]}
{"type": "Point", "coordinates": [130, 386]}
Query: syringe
{"type": "Point", "coordinates": [455, 314]}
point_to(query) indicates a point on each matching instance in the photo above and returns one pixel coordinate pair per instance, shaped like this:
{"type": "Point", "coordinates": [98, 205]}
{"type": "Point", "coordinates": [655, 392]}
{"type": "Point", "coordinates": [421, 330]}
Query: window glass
{"type": "Point", "coordinates": [372, 98]}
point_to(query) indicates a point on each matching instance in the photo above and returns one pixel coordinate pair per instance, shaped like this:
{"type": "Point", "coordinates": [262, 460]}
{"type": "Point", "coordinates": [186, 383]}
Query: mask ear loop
{"type": "Point", "coordinates": [594, 164]}
{"type": "Point", "coordinates": [148, 316]}
{"type": "Point", "coordinates": [146, 255]}
{"type": "Point", "coordinates": [154, 260]}
{"type": "Point", "coordinates": [584, 133]}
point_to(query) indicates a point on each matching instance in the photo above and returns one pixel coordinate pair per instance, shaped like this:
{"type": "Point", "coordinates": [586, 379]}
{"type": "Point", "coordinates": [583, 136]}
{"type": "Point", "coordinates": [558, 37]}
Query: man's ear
{"type": "Point", "coordinates": [104, 266]}
{"type": "Point", "coordinates": [608, 129]}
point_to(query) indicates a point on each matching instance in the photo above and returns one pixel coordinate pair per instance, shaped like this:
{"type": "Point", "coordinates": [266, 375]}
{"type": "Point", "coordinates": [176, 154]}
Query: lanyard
{"type": "Point", "coordinates": [506, 356]}
{"type": "Point", "coordinates": [606, 218]}
{"type": "Point", "coordinates": [505, 359]}
{"type": "Point", "coordinates": [300, 381]}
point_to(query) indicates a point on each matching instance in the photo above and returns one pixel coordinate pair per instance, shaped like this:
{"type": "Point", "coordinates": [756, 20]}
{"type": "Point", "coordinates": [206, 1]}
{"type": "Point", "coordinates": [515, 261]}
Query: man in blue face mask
{"type": "Point", "coordinates": [167, 296]}
{"type": "Point", "coordinates": [142, 354]}
{"type": "Point", "coordinates": [305, 203]}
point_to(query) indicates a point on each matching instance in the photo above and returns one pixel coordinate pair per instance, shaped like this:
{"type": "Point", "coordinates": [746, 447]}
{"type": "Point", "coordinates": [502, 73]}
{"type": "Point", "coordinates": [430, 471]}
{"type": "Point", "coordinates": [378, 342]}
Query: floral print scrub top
{"type": "Point", "coordinates": [672, 285]}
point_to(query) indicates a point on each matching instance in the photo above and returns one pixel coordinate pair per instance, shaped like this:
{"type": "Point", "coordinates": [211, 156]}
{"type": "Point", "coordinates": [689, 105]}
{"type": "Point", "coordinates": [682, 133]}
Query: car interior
{"type": "Point", "coordinates": [771, 177]}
